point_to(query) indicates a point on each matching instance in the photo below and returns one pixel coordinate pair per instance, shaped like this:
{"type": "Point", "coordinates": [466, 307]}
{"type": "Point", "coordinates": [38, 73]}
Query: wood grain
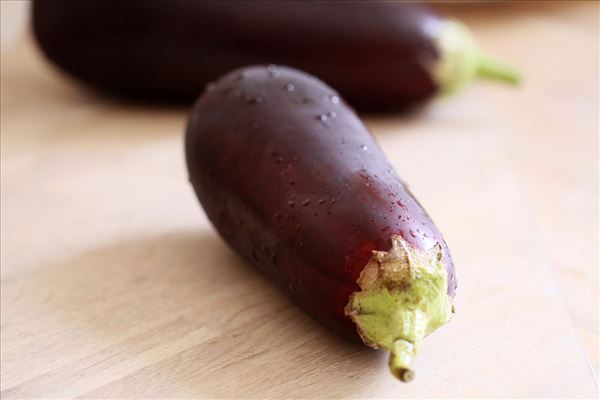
{"type": "Point", "coordinates": [551, 130]}
{"type": "Point", "coordinates": [114, 285]}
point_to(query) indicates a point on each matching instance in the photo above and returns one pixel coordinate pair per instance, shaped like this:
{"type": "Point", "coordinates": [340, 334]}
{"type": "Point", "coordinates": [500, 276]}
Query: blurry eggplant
{"type": "Point", "coordinates": [378, 55]}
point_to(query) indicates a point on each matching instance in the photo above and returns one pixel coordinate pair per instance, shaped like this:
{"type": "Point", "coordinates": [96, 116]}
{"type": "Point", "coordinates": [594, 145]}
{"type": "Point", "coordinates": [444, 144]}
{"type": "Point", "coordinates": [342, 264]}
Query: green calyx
{"type": "Point", "coordinates": [403, 298]}
{"type": "Point", "coordinates": [461, 60]}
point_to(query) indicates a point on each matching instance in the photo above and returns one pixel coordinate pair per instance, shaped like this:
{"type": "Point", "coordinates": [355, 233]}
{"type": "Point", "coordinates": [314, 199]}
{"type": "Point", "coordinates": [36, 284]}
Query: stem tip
{"type": "Point", "coordinates": [405, 374]}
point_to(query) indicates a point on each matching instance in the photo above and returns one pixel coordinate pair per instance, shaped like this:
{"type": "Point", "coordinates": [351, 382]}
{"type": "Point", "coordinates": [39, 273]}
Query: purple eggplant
{"type": "Point", "coordinates": [378, 55]}
{"type": "Point", "coordinates": [293, 180]}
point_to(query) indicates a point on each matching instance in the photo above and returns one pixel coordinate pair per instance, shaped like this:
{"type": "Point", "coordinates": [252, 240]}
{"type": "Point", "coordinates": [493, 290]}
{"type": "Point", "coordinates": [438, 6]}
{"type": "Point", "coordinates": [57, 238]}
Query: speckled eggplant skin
{"type": "Point", "coordinates": [296, 184]}
{"type": "Point", "coordinates": [378, 55]}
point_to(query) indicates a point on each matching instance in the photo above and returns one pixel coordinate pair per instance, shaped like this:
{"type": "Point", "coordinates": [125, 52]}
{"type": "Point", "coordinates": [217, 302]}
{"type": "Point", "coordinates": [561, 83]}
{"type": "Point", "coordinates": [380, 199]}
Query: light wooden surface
{"type": "Point", "coordinates": [114, 284]}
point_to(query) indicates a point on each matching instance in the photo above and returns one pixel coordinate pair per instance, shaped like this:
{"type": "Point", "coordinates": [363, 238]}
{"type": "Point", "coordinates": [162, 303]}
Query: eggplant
{"type": "Point", "coordinates": [380, 56]}
{"type": "Point", "coordinates": [294, 182]}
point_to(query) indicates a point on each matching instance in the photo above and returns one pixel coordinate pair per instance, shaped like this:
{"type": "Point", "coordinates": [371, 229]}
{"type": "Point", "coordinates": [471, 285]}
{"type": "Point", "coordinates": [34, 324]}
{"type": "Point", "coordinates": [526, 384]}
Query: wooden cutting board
{"type": "Point", "coordinates": [115, 285]}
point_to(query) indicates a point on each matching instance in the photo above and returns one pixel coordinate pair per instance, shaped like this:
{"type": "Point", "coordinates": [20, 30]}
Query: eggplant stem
{"type": "Point", "coordinates": [490, 68]}
{"type": "Point", "coordinates": [462, 60]}
{"type": "Point", "coordinates": [403, 297]}
{"type": "Point", "coordinates": [401, 358]}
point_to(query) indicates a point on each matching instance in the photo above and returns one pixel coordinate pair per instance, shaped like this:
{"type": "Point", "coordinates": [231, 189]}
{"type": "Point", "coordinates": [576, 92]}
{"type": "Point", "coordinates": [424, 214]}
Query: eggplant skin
{"type": "Point", "coordinates": [378, 55]}
{"type": "Point", "coordinates": [292, 179]}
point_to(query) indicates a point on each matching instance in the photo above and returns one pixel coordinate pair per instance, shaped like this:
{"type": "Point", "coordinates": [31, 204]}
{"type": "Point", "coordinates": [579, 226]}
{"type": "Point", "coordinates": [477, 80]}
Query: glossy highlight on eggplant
{"type": "Point", "coordinates": [379, 55]}
{"type": "Point", "coordinates": [293, 181]}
